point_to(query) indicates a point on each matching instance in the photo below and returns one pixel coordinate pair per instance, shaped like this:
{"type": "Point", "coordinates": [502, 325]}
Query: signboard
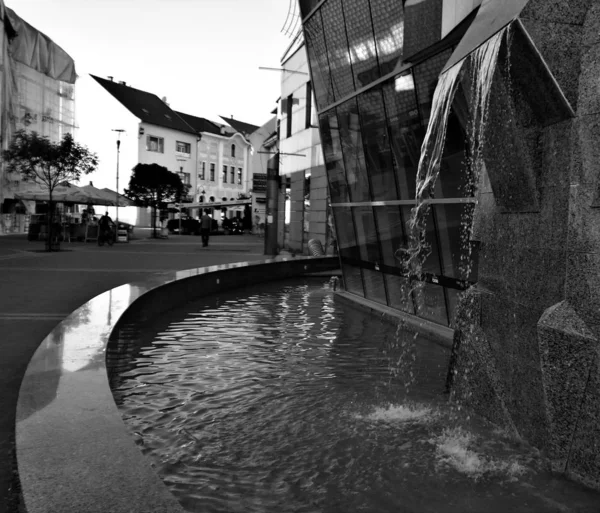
{"type": "Point", "coordinates": [259, 182]}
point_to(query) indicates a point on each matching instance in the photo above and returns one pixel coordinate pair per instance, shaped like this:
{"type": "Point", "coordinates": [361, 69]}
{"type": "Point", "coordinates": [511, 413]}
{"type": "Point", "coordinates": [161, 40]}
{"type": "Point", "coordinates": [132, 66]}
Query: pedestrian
{"type": "Point", "coordinates": [205, 225]}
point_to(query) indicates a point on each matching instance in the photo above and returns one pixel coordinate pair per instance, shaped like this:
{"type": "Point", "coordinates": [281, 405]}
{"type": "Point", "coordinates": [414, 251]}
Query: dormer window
{"type": "Point", "coordinates": [233, 150]}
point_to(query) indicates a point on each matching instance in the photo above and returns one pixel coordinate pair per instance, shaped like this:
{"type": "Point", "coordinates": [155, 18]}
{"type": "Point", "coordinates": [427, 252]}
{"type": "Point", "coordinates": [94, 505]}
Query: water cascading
{"type": "Point", "coordinates": [476, 73]}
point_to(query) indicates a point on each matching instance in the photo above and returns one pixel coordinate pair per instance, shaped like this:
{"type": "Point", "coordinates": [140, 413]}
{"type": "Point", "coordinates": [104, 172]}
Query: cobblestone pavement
{"type": "Point", "coordinates": [39, 289]}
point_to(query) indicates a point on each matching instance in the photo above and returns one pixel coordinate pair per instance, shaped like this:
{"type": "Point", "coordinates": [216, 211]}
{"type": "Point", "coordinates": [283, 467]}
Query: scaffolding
{"type": "Point", "coordinates": [37, 92]}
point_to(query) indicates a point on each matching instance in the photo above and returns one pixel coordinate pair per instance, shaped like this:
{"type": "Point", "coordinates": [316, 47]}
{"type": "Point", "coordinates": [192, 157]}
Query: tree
{"type": "Point", "coordinates": [152, 185]}
{"type": "Point", "coordinates": [49, 164]}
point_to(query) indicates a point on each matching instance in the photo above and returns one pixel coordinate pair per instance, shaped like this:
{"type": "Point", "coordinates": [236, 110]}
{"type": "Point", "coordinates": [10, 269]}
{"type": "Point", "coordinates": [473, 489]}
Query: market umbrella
{"type": "Point", "coordinates": [105, 197]}
{"type": "Point", "coordinates": [61, 193]}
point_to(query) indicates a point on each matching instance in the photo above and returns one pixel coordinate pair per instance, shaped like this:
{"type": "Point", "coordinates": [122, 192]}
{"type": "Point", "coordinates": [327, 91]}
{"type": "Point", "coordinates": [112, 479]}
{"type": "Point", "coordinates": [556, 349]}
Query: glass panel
{"type": "Point", "coordinates": [453, 222]}
{"type": "Point", "coordinates": [432, 261]}
{"type": "Point", "coordinates": [388, 22]}
{"type": "Point", "coordinates": [391, 234]}
{"type": "Point", "coordinates": [346, 237]}
{"type": "Point", "coordinates": [334, 163]}
{"type": "Point", "coordinates": [361, 42]}
{"type": "Point", "coordinates": [426, 77]}
{"type": "Point", "coordinates": [454, 177]}
{"type": "Point", "coordinates": [306, 6]}
{"type": "Point", "coordinates": [366, 234]}
{"type": "Point", "coordinates": [453, 296]}
{"type": "Point", "coordinates": [353, 280]}
{"type": "Point", "coordinates": [431, 303]}
{"type": "Point", "coordinates": [337, 49]}
{"type": "Point", "coordinates": [423, 25]}
{"type": "Point", "coordinates": [352, 149]}
{"type": "Point", "coordinates": [317, 57]}
{"type": "Point", "coordinates": [406, 132]}
{"type": "Point", "coordinates": [399, 293]}
{"type": "Point", "coordinates": [374, 287]}
{"type": "Point", "coordinates": [378, 153]}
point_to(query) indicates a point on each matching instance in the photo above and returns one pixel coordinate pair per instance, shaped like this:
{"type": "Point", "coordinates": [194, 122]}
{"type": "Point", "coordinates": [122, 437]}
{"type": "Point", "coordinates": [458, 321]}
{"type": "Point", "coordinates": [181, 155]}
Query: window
{"type": "Point", "coordinates": [308, 112]}
{"type": "Point", "coordinates": [183, 147]}
{"type": "Point", "coordinates": [212, 172]}
{"type": "Point", "coordinates": [185, 178]}
{"type": "Point", "coordinates": [202, 173]}
{"type": "Point", "coordinates": [239, 176]}
{"type": "Point", "coordinates": [288, 113]}
{"type": "Point", "coordinates": [155, 144]}
{"type": "Point", "coordinates": [224, 174]}
{"type": "Point", "coordinates": [233, 150]}
{"type": "Point", "coordinates": [232, 174]}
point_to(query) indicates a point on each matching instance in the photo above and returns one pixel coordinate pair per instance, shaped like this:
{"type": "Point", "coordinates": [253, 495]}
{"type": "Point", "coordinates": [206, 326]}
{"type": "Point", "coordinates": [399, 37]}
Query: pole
{"type": "Point", "coordinates": [119, 131]}
{"type": "Point", "coordinates": [272, 206]}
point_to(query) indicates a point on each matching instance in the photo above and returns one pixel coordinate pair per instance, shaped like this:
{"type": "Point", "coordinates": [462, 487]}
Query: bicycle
{"type": "Point", "coordinates": [107, 235]}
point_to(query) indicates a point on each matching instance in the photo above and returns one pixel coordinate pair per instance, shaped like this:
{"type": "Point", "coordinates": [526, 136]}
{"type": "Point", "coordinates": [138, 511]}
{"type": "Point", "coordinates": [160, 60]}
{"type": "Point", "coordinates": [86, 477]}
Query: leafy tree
{"type": "Point", "coordinates": [49, 164]}
{"type": "Point", "coordinates": [152, 185]}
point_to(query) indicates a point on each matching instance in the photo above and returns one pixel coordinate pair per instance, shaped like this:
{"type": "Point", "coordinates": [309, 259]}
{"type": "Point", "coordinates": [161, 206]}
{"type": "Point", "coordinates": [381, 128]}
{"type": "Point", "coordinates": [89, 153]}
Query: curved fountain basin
{"type": "Point", "coordinates": [73, 451]}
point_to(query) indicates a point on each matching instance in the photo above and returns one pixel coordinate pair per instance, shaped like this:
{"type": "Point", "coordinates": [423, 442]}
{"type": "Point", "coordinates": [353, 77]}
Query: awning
{"type": "Point", "coordinates": [492, 17]}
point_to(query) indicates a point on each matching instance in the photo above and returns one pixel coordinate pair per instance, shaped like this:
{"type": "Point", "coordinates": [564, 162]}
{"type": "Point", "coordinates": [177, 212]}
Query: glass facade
{"type": "Point", "coordinates": [373, 113]}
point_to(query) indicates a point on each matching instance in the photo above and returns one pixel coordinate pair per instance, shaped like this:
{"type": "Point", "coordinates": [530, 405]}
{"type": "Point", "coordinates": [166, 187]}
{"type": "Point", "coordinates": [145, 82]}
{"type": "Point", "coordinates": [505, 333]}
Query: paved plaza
{"type": "Point", "coordinates": [39, 289]}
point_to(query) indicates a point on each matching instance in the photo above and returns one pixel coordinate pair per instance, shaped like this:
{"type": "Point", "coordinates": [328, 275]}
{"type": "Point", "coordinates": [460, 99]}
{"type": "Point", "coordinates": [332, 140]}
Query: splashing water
{"type": "Point", "coordinates": [454, 448]}
{"type": "Point", "coordinates": [401, 413]}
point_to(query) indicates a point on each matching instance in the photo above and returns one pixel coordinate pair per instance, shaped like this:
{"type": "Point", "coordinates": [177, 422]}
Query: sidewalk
{"type": "Point", "coordinates": [39, 289]}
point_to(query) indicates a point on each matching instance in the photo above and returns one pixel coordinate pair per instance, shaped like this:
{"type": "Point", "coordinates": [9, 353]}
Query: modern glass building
{"type": "Point", "coordinates": [374, 67]}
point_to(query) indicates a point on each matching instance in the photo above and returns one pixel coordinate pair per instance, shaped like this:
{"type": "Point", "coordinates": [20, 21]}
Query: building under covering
{"type": "Point", "coordinates": [37, 94]}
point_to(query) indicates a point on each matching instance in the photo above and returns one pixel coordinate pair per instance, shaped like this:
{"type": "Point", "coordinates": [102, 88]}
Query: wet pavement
{"type": "Point", "coordinates": [39, 289]}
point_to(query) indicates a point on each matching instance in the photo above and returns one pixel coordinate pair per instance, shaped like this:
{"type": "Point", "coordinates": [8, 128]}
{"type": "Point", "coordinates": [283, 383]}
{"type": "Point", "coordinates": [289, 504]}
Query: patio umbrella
{"type": "Point", "coordinates": [61, 193]}
{"type": "Point", "coordinates": [105, 197]}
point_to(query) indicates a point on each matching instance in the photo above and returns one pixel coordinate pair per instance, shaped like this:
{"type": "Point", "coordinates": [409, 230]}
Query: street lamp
{"type": "Point", "coordinates": [181, 175]}
{"type": "Point", "coordinates": [119, 131]}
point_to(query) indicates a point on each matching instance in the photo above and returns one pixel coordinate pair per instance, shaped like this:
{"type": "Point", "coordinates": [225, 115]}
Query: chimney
{"type": "Point", "coordinates": [164, 99]}
{"type": "Point", "coordinates": [122, 82]}
{"type": "Point", "coordinates": [111, 78]}
{"type": "Point", "coordinates": [91, 183]}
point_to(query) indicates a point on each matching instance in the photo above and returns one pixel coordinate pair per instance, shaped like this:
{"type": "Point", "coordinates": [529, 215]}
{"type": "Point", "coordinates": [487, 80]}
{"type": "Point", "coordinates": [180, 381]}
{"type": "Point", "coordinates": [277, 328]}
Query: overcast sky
{"type": "Point", "coordinates": [203, 55]}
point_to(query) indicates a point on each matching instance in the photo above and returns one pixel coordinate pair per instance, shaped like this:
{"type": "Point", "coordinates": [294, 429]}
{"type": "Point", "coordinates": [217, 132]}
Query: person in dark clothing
{"type": "Point", "coordinates": [105, 227]}
{"type": "Point", "coordinates": [205, 225]}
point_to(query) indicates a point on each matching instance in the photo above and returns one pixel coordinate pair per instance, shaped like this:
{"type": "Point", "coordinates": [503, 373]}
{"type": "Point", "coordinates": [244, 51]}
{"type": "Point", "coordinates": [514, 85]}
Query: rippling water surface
{"type": "Point", "coordinates": [281, 399]}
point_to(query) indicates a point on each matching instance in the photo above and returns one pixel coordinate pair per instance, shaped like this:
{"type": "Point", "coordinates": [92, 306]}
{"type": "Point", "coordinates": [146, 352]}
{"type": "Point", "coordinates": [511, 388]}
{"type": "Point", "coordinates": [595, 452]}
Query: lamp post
{"type": "Point", "coordinates": [181, 175]}
{"type": "Point", "coordinates": [119, 131]}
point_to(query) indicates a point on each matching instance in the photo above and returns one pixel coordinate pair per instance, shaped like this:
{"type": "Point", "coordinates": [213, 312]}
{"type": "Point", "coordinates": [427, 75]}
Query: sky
{"type": "Point", "coordinates": [203, 55]}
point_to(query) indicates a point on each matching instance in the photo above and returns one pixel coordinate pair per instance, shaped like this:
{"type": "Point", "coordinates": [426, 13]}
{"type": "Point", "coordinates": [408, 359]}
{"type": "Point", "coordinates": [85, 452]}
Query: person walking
{"type": "Point", "coordinates": [205, 226]}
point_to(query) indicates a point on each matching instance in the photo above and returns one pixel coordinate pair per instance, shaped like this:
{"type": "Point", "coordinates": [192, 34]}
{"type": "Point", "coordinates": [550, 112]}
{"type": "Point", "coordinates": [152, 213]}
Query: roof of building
{"type": "Point", "coordinates": [148, 107]}
{"type": "Point", "coordinates": [240, 126]}
{"type": "Point", "coordinates": [200, 124]}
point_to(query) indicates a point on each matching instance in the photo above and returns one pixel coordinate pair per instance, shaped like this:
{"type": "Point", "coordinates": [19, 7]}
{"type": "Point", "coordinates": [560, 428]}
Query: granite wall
{"type": "Point", "coordinates": [526, 345]}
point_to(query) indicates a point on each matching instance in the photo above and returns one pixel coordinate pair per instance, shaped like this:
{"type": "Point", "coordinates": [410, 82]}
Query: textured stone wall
{"type": "Point", "coordinates": [527, 334]}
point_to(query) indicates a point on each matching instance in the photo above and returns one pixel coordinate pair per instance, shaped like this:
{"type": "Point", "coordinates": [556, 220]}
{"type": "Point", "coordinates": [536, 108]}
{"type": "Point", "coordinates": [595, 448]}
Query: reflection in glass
{"type": "Point", "coordinates": [423, 25]}
{"type": "Point", "coordinates": [353, 280]}
{"type": "Point", "coordinates": [337, 49]}
{"type": "Point", "coordinates": [406, 132]}
{"type": "Point", "coordinates": [431, 303]}
{"type": "Point", "coordinates": [346, 237]}
{"type": "Point", "coordinates": [306, 6]}
{"type": "Point", "coordinates": [332, 152]}
{"type": "Point", "coordinates": [399, 293]}
{"type": "Point", "coordinates": [366, 234]}
{"type": "Point", "coordinates": [374, 286]}
{"type": "Point", "coordinates": [352, 149]}
{"type": "Point", "coordinates": [388, 23]}
{"type": "Point", "coordinates": [453, 223]}
{"type": "Point", "coordinates": [361, 42]}
{"type": "Point", "coordinates": [378, 153]}
{"type": "Point", "coordinates": [317, 58]}
{"type": "Point", "coordinates": [392, 235]}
